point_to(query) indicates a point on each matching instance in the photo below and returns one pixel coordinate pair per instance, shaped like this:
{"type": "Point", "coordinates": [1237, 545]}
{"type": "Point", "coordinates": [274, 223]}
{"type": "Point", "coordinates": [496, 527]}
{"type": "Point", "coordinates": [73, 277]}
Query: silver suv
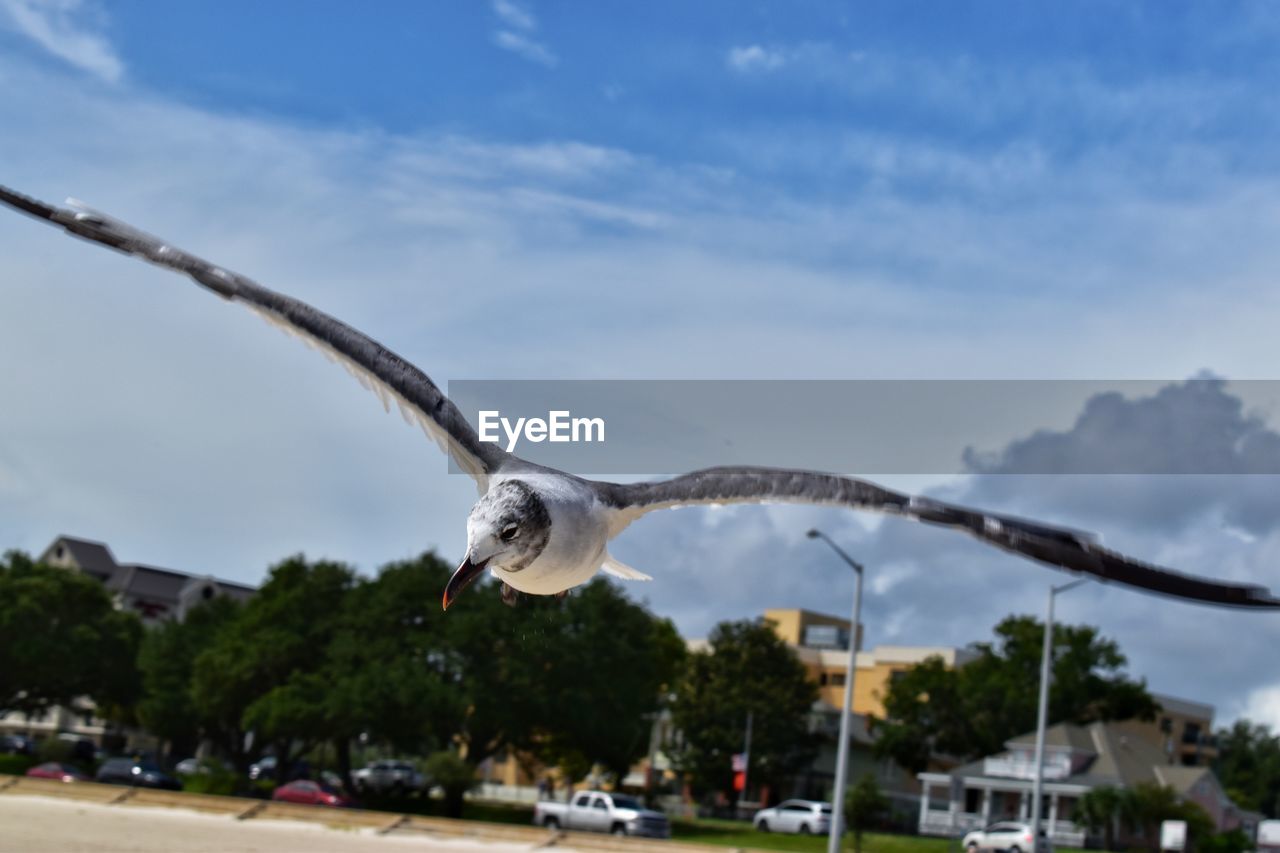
{"type": "Point", "coordinates": [1008, 835]}
{"type": "Point", "coordinates": [806, 817]}
{"type": "Point", "coordinates": [388, 775]}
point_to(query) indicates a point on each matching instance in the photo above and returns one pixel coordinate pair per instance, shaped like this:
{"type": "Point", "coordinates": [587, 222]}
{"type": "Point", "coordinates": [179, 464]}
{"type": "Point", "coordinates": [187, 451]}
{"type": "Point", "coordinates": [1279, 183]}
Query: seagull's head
{"type": "Point", "coordinates": [507, 529]}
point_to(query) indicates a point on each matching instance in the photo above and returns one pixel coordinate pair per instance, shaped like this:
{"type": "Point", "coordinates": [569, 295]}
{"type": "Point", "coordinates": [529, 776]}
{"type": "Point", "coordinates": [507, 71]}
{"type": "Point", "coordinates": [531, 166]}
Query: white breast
{"type": "Point", "coordinates": [576, 547]}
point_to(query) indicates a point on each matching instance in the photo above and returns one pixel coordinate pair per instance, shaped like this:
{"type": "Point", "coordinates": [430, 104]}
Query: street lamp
{"type": "Point", "coordinates": [1043, 711]}
{"type": "Point", "coordinates": [842, 751]}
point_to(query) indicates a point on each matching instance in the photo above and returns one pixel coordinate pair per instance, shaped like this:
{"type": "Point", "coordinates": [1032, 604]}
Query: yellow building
{"type": "Point", "coordinates": [822, 644]}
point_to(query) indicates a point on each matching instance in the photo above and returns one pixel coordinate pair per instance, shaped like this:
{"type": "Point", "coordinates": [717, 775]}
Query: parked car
{"type": "Point", "coordinates": [57, 770]}
{"type": "Point", "coordinates": [1008, 835]}
{"type": "Point", "coordinates": [264, 768]}
{"type": "Point", "coordinates": [806, 817]}
{"type": "Point", "coordinates": [311, 793]}
{"type": "Point", "coordinates": [189, 767]}
{"type": "Point", "coordinates": [267, 767]}
{"type": "Point", "coordinates": [596, 811]}
{"type": "Point", "coordinates": [132, 771]}
{"type": "Point", "coordinates": [82, 749]}
{"type": "Point", "coordinates": [17, 745]}
{"type": "Point", "coordinates": [388, 775]}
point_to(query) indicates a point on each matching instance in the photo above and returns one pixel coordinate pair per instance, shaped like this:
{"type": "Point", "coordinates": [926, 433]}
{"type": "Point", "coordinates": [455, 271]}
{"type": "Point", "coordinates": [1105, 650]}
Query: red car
{"type": "Point", "coordinates": [57, 770]}
{"type": "Point", "coordinates": [310, 793]}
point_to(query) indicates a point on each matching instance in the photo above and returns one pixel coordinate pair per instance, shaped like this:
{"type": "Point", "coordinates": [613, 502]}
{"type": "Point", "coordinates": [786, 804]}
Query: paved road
{"type": "Point", "coordinates": [49, 825]}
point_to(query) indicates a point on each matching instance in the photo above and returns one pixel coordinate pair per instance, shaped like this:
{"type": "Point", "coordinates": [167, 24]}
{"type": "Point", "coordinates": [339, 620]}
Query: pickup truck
{"type": "Point", "coordinates": [596, 811]}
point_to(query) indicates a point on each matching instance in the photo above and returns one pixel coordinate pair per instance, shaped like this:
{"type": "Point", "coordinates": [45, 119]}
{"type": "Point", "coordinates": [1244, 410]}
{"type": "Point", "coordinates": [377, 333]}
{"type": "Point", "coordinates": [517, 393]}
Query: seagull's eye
{"type": "Point", "coordinates": [511, 531]}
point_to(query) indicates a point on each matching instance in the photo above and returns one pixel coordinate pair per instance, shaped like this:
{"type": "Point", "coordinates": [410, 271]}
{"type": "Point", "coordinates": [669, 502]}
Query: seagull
{"type": "Point", "coordinates": [542, 531]}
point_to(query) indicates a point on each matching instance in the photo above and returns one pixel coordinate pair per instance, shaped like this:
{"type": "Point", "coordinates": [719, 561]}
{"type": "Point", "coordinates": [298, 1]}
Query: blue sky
{"type": "Point", "coordinates": [607, 190]}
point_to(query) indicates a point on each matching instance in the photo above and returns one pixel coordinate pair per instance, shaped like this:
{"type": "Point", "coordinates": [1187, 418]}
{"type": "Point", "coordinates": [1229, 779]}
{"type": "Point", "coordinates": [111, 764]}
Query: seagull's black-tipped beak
{"type": "Point", "coordinates": [462, 578]}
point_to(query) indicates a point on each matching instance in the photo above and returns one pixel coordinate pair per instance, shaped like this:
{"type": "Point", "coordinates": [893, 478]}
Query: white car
{"type": "Point", "coordinates": [806, 817]}
{"type": "Point", "coordinates": [1009, 836]}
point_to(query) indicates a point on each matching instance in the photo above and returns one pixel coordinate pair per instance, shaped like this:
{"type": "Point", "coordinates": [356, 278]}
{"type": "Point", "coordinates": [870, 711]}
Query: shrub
{"type": "Point", "coordinates": [16, 765]}
{"type": "Point", "coordinates": [214, 777]}
{"type": "Point", "coordinates": [454, 775]}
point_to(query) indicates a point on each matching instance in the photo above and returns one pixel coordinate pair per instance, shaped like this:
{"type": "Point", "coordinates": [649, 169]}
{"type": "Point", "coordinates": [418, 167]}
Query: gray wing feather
{"type": "Point", "coordinates": [376, 367]}
{"type": "Point", "coordinates": [1055, 546]}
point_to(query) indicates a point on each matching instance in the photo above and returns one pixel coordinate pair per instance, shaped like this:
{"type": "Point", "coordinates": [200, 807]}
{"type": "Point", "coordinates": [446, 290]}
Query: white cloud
{"type": "Point", "coordinates": [184, 432]}
{"type": "Point", "coordinates": [60, 27]}
{"type": "Point", "coordinates": [522, 45]}
{"type": "Point", "coordinates": [514, 15]}
{"type": "Point", "coordinates": [516, 34]}
{"type": "Point", "coordinates": [755, 58]}
{"type": "Point", "coordinates": [1263, 706]}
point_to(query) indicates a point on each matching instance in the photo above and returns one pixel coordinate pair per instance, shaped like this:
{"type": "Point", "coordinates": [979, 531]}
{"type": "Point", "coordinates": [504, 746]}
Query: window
{"type": "Point", "coordinates": [1166, 725]}
{"type": "Point", "coordinates": [599, 803]}
{"type": "Point", "coordinates": [581, 800]}
{"type": "Point", "coordinates": [825, 637]}
{"type": "Point", "coordinates": [837, 679]}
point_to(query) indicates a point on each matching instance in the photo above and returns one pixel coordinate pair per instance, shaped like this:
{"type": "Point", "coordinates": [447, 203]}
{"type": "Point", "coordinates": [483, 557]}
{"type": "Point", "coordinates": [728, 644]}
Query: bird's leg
{"type": "Point", "coordinates": [509, 595]}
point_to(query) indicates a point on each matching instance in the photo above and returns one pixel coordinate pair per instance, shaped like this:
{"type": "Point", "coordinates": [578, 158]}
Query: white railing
{"type": "Point", "coordinates": [1055, 767]}
{"type": "Point", "coordinates": [948, 824]}
{"type": "Point", "coordinates": [508, 793]}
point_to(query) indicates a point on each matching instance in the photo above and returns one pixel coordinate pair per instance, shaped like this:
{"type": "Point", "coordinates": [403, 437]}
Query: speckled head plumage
{"type": "Point", "coordinates": [508, 529]}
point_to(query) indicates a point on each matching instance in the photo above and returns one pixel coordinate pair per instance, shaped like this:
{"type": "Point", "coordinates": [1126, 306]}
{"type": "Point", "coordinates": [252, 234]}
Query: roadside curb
{"type": "Point", "coordinates": [382, 823]}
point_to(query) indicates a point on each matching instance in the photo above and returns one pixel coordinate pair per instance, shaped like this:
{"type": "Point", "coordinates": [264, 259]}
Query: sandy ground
{"type": "Point", "coordinates": [49, 825]}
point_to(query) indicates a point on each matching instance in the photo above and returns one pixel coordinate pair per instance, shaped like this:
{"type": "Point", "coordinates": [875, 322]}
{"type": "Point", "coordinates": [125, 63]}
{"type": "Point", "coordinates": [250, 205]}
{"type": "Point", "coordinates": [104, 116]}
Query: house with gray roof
{"type": "Point", "coordinates": [1077, 759]}
{"type": "Point", "coordinates": [155, 594]}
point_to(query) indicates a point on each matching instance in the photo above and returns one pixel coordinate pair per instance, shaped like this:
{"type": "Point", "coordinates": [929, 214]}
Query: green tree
{"type": "Point", "coordinates": [746, 670]}
{"type": "Point", "coordinates": [389, 669]}
{"type": "Point", "coordinates": [973, 710]}
{"type": "Point", "coordinates": [1248, 766]}
{"type": "Point", "coordinates": [454, 775]}
{"type": "Point", "coordinates": [61, 639]}
{"type": "Point", "coordinates": [613, 661]}
{"type": "Point", "coordinates": [166, 661]}
{"type": "Point", "coordinates": [1146, 805]}
{"type": "Point", "coordinates": [864, 804]}
{"type": "Point", "coordinates": [1101, 810]}
{"type": "Point", "coordinates": [266, 673]}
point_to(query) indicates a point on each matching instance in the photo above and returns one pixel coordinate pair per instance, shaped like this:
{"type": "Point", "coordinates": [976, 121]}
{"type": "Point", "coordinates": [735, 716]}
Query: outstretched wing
{"type": "Point", "coordinates": [1056, 546]}
{"type": "Point", "coordinates": [377, 368]}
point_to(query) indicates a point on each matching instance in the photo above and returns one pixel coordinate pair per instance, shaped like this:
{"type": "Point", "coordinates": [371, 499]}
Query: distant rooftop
{"type": "Point", "coordinates": [154, 592]}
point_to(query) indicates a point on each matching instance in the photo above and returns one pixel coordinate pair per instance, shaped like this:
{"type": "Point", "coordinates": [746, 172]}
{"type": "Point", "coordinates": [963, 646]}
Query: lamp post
{"type": "Point", "coordinates": [1042, 712]}
{"type": "Point", "coordinates": [846, 710]}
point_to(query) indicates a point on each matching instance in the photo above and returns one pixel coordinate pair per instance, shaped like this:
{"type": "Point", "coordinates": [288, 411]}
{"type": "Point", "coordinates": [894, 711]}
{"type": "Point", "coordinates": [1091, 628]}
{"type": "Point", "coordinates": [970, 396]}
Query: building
{"type": "Point", "coordinates": [822, 644]}
{"type": "Point", "coordinates": [1077, 759]}
{"type": "Point", "coordinates": [153, 593]}
{"type": "Point", "coordinates": [1182, 729]}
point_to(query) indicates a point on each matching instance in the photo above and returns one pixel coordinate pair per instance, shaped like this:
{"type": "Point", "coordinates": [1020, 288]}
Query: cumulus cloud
{"type": "Point", "coordinates": [1263, 706]}
{"type": "Point", "coordinates": [927, 586]}
{"type": "Point", "coordinates": [516, 33]}
{"type": "Point", "coordinates": [755, 58]}
{"type": "Point", "coordinates": [69, 29]}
